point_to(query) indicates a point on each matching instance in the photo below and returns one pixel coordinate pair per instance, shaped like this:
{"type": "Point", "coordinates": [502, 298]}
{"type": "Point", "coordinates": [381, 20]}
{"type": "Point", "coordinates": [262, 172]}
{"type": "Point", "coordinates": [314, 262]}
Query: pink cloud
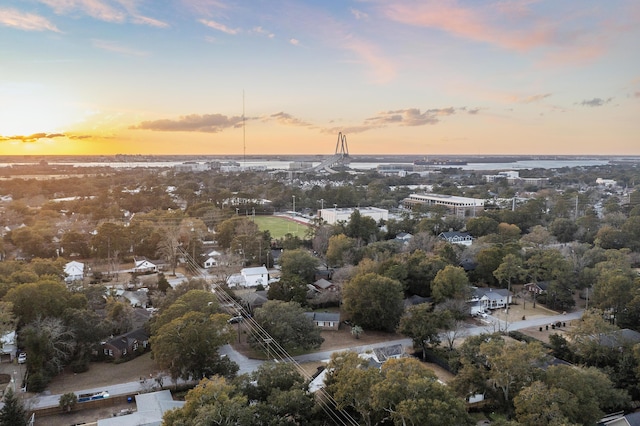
{"type": "Point", "coordinates": [25, 21]}
{"type": "Point", "coordinates": [485, 25]}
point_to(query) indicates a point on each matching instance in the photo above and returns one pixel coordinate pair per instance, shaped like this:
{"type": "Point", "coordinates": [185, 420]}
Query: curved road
{"type": "Point", "coordinates": [249, 365]}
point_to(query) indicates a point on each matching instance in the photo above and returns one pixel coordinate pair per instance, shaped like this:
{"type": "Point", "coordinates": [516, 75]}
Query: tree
{"type": "Point", "coordinates": [423, 325]}
{"type": "Point", "coordinates": [289, 288]}
{"type": "Point", "coordinates": [49, 344]}
{"type": "Point", "coordinates": [68, 401]}
{"type": "Point", "coordinates": [410, 394]}
{"type": "Point", "coordinates": [512, 366]}
{"type": "Point", "coordinates": [373, 301]}
{"type": "Point", "coordinates": [299, 263]}
{"type": "Point", "coordinates": [188, 346]}
{"type": "Point", "coordinates": [509, 269]}
{"type": "Point", "coordinates": [13, 412]}
{"type": "Point", "coordinates": [481, 226]}
{"type": "Point", "coordinates": [363, 229]}
{"type": "Point", "coordinates": [340, 251]}
{"type": "Point", "coordinates": [213, 401]}
{"type": "Point", "coordinates": [43, 298]}
{"type": "Point", "coordinates": [288, 325]}
{"type": "Point", "coordinates": [349, 381]}
{"type": "Point", "coordinates": [563, 229]}
{"type": "Point", "coordinates": [450, 283]}
{"type": "Point", "coordinates": [169, 245]}
{"type": "Point", "coordinates": [588, 335]}
{"type": "Point", "coordinates": [191, 301]}
{"type": "Point", "coordinates": [538, 405]}
{"type": "Point", "coordinates": [281, 394]}
{"type": "Point", "coordinates": [592, 390]}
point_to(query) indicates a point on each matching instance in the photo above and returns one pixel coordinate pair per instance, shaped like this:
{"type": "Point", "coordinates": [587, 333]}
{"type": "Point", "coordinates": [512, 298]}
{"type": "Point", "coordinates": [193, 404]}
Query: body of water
{"type": "Point", "coordinates": [285, 165]}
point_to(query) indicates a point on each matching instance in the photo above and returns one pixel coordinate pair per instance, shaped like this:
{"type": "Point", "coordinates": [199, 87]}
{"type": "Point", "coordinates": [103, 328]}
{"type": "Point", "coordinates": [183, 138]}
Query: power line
{"type": "Point", "coordinates": [271, 345]}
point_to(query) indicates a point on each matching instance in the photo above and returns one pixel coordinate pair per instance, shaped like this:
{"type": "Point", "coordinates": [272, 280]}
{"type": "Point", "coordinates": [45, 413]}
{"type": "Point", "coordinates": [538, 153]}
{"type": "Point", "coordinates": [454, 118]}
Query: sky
{"type": "Point", "coordinates": [218, 77]}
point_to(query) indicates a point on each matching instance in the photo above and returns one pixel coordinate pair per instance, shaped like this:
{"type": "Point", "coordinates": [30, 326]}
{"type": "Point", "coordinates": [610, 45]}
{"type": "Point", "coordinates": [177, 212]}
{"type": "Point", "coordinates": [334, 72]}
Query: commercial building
{"type": "Point", "coordinates": [461, 206]}
{"type": "Point", "coordinates": [335, 215]}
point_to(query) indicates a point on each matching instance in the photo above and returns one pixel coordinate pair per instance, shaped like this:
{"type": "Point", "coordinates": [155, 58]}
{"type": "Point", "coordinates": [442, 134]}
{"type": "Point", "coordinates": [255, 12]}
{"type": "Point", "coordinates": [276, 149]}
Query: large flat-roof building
{"type": "Point", "coordinates": [335, 215]}
{"type": "Point", "coordinates": [461, 206]}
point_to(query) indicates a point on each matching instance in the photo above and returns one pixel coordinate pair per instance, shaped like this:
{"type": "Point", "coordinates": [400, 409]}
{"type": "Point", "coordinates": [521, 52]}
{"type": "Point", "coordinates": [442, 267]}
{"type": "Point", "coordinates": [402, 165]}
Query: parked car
{"type": "Point", "coordinates": [22, 357]}
{"type": "Point", "coordinates": [235, 320]}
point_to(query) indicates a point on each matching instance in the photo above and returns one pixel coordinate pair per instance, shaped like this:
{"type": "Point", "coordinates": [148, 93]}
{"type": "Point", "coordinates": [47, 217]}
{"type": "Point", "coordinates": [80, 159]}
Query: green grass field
{"type": "Point", "coordinates": [279, 226]}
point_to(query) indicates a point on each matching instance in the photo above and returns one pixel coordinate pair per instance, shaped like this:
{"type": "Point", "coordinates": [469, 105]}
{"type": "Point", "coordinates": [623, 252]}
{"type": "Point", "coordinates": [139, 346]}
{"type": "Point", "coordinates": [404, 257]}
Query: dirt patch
{"type": "Point", "coordinates": [103, 374]}
{"type": "Point", "coordinates": [334, 339]}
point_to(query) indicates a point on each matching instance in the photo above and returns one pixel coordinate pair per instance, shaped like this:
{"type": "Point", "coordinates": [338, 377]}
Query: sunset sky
{"type": "Point", "coordinates": [418, 77]}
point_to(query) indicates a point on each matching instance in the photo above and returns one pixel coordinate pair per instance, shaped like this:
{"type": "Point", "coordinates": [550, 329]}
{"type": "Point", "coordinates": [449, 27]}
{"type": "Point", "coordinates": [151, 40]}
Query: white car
{"type": "Point", "coordinates": [22, 357]}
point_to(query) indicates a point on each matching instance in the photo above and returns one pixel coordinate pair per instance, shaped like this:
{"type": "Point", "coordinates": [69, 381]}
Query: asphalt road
{"type": "Point", "coordinates": [247, 365]}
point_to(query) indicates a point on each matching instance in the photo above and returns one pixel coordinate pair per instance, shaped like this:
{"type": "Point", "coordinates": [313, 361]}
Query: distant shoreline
{"type": "Point", "coordinates": [369, 158]}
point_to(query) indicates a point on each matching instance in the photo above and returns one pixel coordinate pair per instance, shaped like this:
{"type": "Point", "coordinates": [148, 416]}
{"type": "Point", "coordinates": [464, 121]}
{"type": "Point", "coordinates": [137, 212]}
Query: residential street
{"type": "Point", "coordinates": [248, 365]}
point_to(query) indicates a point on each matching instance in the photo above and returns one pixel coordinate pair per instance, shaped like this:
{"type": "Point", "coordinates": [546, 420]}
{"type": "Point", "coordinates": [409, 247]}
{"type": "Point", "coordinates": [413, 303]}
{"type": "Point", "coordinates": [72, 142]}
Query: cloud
{"type": "Point", "coordinates": [97, 9]}
{"type": "Point", "coordinates": [294, 42]}
{"type": "Point", "coordinates": [381, 67]}
{"type": "Point", "coordinates": [262, 31]}
{"type": "Point", "coordinates": [218, 26]}
{"type": "Point", "coordinates": [33, 137]}
{"type": "Point", "coordinates": [207, 123]}
{"type": "Point", "coordinates": [288, 120]}
{"type": "Point", "coordinates": [25, 21]}
{"type": "Point", "coordinates": [531, 99]}
{"type": "Point", "coordinates": [410, 117]}
{"type": "Point", "coordinates": [358, 14]}
{"type": "Point", "coordinates": [104, 11]}
{"type": "Point", "coordinates": [595, 102]}
{"type": "Point", "coordinates": [485, 23]}
{"type": "Point", "coordinates": [144, 20]}
{"type": "Point", "coordinates": [115, 47]}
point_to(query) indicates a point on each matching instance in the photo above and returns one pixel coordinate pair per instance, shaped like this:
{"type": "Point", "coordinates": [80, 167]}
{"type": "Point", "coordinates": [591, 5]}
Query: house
{"type": "Point", "coordinates": [213, 259]}
{"type": "Point", "coordinates": [150, 408]}
{"type": "Point", "coordinates": [388, 352]}
{"type": "Point", "coordinates": [324, 285]}
{"type": "Point", "coordinates": [325, 320]}
{"type": "Point", "coordinates": [491, 298]}
{"type": "Point", "coordinates": [8, 346]}
{"type": "Point", "coordinates": [403, 237]}
{"type": "Point", "coordinates": [537, 287]}
{"type": "Point", "coordinates": [126, 343]}
{"type": "Point", "coordinates": [143, 266]}
{"type": "Point", "coordinates": [254, 277]}
{"type": "Point", "coordinates": [620, 338]}
{"type": "Point", "coordinates": [253, 300]}
{"type": "Point", "coordinates": [414, 300]}
{"type": "Point", "coordinates": [621, 419]}
{"type": "Point", "coordinates": [455, 237]}
{"type": "Point", "coordinates": [74, 271]}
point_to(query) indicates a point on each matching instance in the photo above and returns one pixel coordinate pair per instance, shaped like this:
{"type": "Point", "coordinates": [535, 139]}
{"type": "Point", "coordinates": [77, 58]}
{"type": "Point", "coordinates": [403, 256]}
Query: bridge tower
{"type": "Point", "coordinates": [342, 149]}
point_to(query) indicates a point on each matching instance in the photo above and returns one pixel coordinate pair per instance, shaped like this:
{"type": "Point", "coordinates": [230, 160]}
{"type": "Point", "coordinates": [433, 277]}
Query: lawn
{"type": "Point", "coordinates": [280, 226]}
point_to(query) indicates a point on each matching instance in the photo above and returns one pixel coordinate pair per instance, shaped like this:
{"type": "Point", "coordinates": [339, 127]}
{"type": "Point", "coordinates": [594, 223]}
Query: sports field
{"type": "Point", "coordinates": [280, 226]}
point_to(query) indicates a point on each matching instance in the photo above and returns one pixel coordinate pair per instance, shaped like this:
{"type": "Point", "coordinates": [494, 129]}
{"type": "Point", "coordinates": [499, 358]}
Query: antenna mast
{"type": "Point", "coordinates": [244, 140]}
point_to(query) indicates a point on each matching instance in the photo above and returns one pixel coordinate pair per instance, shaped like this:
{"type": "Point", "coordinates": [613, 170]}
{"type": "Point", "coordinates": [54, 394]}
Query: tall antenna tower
{"type": "Point", "coordinates": [244, 140]}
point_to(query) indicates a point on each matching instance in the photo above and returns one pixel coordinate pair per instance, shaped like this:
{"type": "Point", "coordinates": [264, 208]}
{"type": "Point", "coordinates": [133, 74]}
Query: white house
{"type": "Point", "coordinates": [8, 345]}
{"type": "Point", "coordinates": [254, 277]}
{"type": "Point", "coordinates": [491, 298]}
{"type": "Point", "coordinates": [455, 237]}
{"type": "Point", "coordinates": [74, 271]}
{"type": "Point", "coordinates": [212, 259]}
{"type": "Point", "coordinates": [142, 266]}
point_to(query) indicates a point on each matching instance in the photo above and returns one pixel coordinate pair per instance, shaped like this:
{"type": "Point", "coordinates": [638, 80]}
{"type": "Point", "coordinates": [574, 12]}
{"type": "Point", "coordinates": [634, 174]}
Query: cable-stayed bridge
{"type": "Point", "coordinates": [339, 158]}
